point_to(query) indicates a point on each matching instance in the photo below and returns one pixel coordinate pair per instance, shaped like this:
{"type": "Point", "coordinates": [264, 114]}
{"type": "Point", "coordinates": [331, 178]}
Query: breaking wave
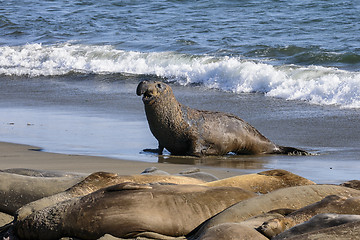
{"type": "Point", "coordinates": [315, 84]}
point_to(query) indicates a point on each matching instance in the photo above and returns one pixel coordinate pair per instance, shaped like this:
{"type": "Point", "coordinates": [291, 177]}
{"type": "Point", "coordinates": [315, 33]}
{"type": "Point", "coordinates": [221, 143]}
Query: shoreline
{"type": "Point", "coordinates": [13, 155]}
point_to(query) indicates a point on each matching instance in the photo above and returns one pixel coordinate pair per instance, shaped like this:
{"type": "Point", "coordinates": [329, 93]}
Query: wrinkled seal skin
{"type": "Point", "coordinates": [318, 222]}
{"type": "Point", "coordinates": [96, 181]}
{"type": "Point", "coordinates": [186, 131]}
{"type": "Point", "coordinates": [285, 198]}
{"type": "Point", "coordinates": [330, 204]}
{"type": "Point", "coordinates": [130, 210]}
{"type": "Point", "coordinates": [346, 231]}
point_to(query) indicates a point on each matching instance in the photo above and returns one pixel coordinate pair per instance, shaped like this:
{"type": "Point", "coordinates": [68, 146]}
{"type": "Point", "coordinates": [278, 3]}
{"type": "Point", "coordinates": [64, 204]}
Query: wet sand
{"type": "Point", "coordinates": [25, 156]}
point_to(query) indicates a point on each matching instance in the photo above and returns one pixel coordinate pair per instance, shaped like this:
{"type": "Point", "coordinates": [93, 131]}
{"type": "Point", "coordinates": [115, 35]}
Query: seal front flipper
{"type": "Point", "coordinates": [158, 150]}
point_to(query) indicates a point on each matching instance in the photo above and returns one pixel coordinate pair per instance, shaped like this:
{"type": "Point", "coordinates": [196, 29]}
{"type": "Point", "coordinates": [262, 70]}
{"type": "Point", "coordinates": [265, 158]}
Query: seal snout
{"type": "Point", "coordinates": [141, 88]}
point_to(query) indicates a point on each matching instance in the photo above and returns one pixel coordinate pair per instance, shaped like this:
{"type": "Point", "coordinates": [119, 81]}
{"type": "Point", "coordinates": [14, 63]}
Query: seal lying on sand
{"type": "Point", "coordinates": [320, 221]}
{"type": "Point", "coordinates": [17, 190]}
{"type": "Point", "coordinates": [96, 181]}
{"type": "Point", "coordinates": [131, 210]}
{"type": "Point", "coordinates": [346, 231]}
{"type": "Point", "coordinates": [292, 198]}
{"type": "Point", "coordinates": [186, 131]}
{"type": "Point", "coordinates": [330, 204]}
{"type": "Point", "coordinates": [262, 182]}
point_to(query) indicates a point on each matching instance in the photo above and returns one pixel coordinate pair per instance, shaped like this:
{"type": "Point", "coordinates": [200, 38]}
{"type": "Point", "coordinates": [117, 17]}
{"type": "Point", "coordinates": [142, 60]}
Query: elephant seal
{"type": "Point", "coordinates": [238, 231]}
{"type": "Point", "coordinates": [291, 197]}
{"type": "Point", "coordinates": [96, 181]}
{"type": "Point", "coordinates": [263, 182]}
{"type": "Point", "coordinates": [196, 173]}
{"type": "Point", "coordinates": [330, 204]}
{"type": "Point", "coordinates": [130, 210]}
{"type": "Point", "coordinates": [154, 171]}
{"type": "Point", "coordinates": [318, 222]}
{"type": "Point", "coordinates": [243, 230]}
{"type": "Point", "coordinates": [42, 173]}
{"type": "Point", "coordinates": [352, 184]}
{"type": "Point", "coordinates": [17, 190]}
{"type": "Point", "coordinates": [186, 131]}
{"type": "Point", "coordinates": [346, 231]}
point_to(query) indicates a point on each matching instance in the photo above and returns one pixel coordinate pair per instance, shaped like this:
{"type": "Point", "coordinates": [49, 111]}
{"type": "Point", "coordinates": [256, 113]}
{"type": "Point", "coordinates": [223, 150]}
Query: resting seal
{"type": "Point", "coordinates": [17, 190]}
{"type": "Point", "coordinates": [186, 131]}
{"type": "Point", "coordinates": [262, 182]}
{"type": "Point", "coordinates": [284, 198]}
{"type": "Point", "coordinates": [318, 222]}
{"type": "Point", "coordinates": [330, 204]}
{"type": "Point", "coordinates": [130, 210]}
{"type": "Point", "coordinates": [96, 181]}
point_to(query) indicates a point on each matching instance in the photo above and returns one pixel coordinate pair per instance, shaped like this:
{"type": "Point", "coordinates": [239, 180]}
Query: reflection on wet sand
{"type": "Point", "coordinates": [228, 161]}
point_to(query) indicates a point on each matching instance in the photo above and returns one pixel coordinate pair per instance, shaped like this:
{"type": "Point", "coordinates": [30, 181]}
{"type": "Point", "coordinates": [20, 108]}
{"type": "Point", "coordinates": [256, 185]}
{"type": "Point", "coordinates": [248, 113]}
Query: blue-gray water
{"type": "Point", "coordinates": [290, 68]}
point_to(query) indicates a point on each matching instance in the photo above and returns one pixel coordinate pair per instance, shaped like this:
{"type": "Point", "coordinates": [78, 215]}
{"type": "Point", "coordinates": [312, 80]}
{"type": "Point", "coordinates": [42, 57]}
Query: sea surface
{"type": "Point", "coordinates": [69, 70]}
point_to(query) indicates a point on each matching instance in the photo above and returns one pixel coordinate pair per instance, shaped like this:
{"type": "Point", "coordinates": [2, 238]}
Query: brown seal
{"type": "Point", "coordinates": [291, 197]}
{"type": "Point", "coordinates": [96, 181]}
{"type": "Point", "coordinates": [186, 131]}
{"type": "Point", "coordinates": [263, 182]}
{"type": "Point", "coordinates": [17, 190]}
{"type": "Point", "coordinates": [131, 210]}
{"type": "Point", "coordinates": [318, 222]}
{"type": "Point", "coordinates": [245, 230]}
{"type": "Point", "coordinates": [346, 231]}
{"type": "Point", "coordinates": [330, 204]}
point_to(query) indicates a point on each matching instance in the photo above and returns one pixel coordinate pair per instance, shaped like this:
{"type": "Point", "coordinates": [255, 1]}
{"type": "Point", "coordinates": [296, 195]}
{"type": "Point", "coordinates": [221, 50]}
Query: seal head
{"type": "Point", "coordinates": [152, 91]}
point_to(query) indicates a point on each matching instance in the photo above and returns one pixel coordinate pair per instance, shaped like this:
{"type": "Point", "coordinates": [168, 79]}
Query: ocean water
{"type": "Point", "coordinates": [69, 69]}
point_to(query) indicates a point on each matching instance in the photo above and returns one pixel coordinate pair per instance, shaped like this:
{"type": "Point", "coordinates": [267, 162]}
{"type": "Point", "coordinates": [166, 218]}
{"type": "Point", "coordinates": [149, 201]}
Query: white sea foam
{"type": "Point", "coordinates": [318, 85]}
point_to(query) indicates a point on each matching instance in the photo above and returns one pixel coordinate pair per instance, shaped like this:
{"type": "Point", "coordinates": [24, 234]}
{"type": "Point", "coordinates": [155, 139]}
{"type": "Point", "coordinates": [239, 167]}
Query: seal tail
{"type": "Point", "coordinates": [291, 151]}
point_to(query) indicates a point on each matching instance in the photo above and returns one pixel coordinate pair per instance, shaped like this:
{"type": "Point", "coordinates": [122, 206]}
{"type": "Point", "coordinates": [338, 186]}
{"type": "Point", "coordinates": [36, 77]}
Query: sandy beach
{"type": "Point", "coordinates": [25, 156]}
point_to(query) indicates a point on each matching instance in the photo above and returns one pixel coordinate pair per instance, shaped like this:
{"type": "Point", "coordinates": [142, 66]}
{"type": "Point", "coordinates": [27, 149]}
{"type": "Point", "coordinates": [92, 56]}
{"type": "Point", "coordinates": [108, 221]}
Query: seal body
{"type": "Point", "coordinates": [262, 182]}
{"type": "Point", "coordinates": [130, 210]}
{"type": "Point", "coordinates": [96, 181]}
{"type": "Point", "coordinates": [284, 198]}
{"type": "Point", "coordinates": [186, 131]}
{"type": "Point", "coordinates": [330, 204]}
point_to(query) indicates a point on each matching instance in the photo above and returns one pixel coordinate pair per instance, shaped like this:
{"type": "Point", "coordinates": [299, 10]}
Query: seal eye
{"type": "Point", "coordinates": [159, 85]}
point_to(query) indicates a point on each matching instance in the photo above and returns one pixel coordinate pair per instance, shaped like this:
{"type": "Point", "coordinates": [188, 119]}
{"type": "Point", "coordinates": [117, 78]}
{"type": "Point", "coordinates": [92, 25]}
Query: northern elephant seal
{"type": "Point", "coordinates": [346, 231]}
{"type": "Point", "coordinates": [42, 173]}
{"type": "Point", "coordinates": [198, 174]}
{"type": "Point", "coordinates": [186, 131]}
{"type": "Point", "coordinates": [330, 204]}
{"type": "Point", "coordinates": [263, 182]}
{"type": "Point", "coordinates": [96, 181]}
{"type": "Point", "coordinates": [228, 231]}
{"type": "Point", "coordinates": [131, 210]}
{"type": "Point", "coordinates": [291, 197]}
{"type": "Point", "coordinates": [352, 184]}
{"type": "Point", "coordinates": [245, 230]}
{"type": "Point", "coordinates": [17, 190]}
{"type": "Point", "coordinates": [154, 171]}
{"type": "Point", "coordinates": [318, 222]}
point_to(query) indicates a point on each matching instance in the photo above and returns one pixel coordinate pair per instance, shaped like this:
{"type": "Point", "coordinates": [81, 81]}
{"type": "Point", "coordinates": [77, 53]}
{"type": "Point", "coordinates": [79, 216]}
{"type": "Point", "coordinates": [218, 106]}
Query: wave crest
{"type": "Point", "coordinates": [318, 85]}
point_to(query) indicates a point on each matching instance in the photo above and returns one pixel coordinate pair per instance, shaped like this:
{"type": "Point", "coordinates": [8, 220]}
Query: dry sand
{"type": "Point", "coordinates": [25, 156]}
